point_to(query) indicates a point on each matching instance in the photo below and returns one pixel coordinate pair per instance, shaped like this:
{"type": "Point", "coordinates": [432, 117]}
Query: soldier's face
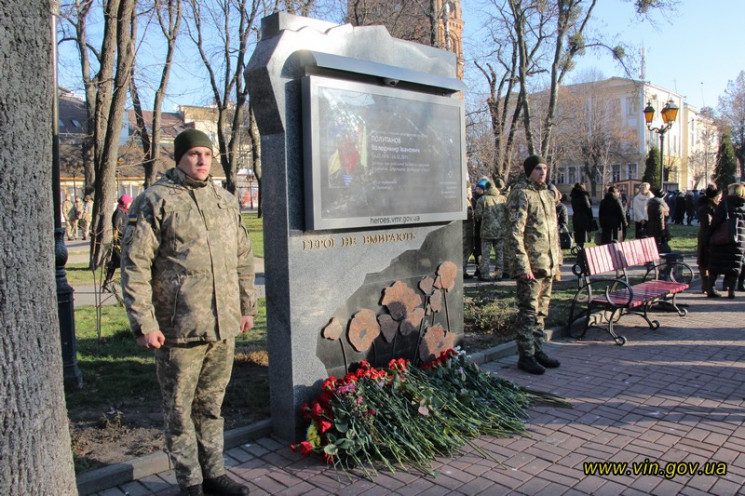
{"type": "Point", "coordinates": [539, 174]}
{"type": "Point", "coordinates": [196, 162]}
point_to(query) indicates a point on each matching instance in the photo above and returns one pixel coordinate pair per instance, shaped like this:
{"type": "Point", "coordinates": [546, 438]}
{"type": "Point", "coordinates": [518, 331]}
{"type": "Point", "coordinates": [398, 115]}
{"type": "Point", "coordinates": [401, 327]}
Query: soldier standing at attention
{"type": "Point", "coordinates": [532, 246]}
{"type": "Point", "coordinates": [188, 286]}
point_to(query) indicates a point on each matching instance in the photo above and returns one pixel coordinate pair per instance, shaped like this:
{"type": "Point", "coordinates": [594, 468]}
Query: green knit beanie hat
{"type": "Point", "coordinates": [189, 139]}
{"type": "Point", "coordinates": [531, 162]}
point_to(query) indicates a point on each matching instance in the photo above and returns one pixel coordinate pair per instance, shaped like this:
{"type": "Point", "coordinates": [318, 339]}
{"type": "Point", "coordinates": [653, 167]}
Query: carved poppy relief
{"type": "Point", "coordinates": [412, 321]}
{"type": "Point", "coordinates": [388, 327]}
{"type": "Point", "coordinates": [400, 299]}
{"type": "Point", "coordinates": [363, 329]}
{"type": "Point", "coordinates": [333, 330]}
{"type": "Point", "coordinates": [446, 274]}
{"type": "Point", "coordinates": [434, 342]}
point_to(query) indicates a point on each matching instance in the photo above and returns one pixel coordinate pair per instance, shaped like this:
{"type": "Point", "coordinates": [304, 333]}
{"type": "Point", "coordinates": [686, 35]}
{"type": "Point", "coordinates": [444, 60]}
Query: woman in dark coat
{"type": "Point", "coordinates": [611, 217]}
{"type": "Point", "coordinates": [707, 205]}
{"type": "Point", "coordinates": [727, 259]}
{"type": "Point", "coordinates": [581, 214]}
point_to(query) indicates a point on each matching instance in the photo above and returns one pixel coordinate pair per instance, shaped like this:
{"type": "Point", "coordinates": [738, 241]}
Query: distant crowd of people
{"type": "Point", "coordinates": [527, 225]}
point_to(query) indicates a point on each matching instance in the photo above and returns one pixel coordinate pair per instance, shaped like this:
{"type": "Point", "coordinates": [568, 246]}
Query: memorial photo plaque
{"type": "Point", "coordinates": [377, 156]}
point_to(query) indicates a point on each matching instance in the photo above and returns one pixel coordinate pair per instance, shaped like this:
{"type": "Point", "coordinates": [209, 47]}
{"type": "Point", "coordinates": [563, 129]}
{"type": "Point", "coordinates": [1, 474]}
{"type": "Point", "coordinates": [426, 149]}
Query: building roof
{"type": "Point", "coordinates": [72, 114]}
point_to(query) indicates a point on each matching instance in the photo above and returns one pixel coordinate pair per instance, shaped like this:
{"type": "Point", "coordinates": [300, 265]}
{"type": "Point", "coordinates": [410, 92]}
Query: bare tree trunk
{"type": "Point", "coordinates": [105, 200]}
{"type": "Point", "coordinates": [170, 24]}
{"type": "Point", "coordinates": [255, 138]}
{"type": "Point", "coordinates": [35, 449]}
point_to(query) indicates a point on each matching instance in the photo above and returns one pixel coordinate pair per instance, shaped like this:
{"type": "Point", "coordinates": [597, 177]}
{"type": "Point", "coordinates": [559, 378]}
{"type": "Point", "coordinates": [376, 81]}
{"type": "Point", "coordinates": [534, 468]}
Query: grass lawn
{"type": "Point", "coordinates": [81, 274]}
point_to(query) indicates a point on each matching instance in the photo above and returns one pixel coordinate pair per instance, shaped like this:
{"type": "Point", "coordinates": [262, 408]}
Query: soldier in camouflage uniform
{"type": "Point", "coordinates": [188, 285]}
{"type": "Point", "coordinates": [532, 250]}
{"type": "Point", "coordinates": [66, 211]}
{"type": "Point", "coordinates": [491, 214]}
{"type": "Point", "coordinates": [86, 217]}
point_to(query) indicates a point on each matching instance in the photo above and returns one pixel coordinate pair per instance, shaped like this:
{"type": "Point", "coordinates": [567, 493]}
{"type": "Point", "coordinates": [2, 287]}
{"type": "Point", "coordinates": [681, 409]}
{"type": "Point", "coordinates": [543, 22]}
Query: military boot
{"type": "Point", "coordinates": [529, 365]}
{"type": "Point", "coordinates": [546, 361]}
{"type": "Point", "coordinates": [195, 490]}
{"type": "Point", "coordinates": [224, 486]}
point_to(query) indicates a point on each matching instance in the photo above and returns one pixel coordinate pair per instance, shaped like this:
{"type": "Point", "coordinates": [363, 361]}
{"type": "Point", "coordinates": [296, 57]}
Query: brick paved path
{"type": "Point", "coordinates": [670, 395]}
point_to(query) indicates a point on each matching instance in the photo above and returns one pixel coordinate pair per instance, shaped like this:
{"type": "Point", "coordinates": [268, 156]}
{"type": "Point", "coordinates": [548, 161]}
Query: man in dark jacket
{"type": "Point", "coordinates": [611, 217]}
{"type": "Point", "coordinates": [582, 216]}
{"type": "Point", "coordinates": [657, 211]}
{"type": "Point", "coordinates": [188, 285]}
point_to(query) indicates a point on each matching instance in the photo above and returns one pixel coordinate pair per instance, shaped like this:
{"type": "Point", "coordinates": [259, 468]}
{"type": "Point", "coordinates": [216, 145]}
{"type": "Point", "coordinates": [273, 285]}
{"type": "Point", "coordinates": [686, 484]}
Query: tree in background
{"type": "Point", "coordinates": [532, 46]}
{"type": "Point", "coordinates": [106, 69]}
{"type": "Point", "coordinates": [725, 172]}
{"type": "Point", "coordinates": [652, 167]}
{"type": "Point", "coordinates": [35, 453]}
{"type": "Point", "coordinates": [168, 14]}
{"type": "Point", "coordinates": [732, 111]}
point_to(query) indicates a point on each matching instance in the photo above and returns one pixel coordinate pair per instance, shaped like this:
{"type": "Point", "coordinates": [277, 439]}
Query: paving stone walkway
{"type": "Point", "coordinates": [671, 399]}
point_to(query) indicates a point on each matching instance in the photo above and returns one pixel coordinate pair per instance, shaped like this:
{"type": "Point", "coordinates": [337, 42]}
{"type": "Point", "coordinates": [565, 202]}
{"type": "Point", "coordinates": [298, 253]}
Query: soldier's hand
{"type": "Point", "coordinates": [527, 276]}
{"type": "Point", "coordinates": [247, 323]}
{"type": "Point", "coordinates": [154, 339]}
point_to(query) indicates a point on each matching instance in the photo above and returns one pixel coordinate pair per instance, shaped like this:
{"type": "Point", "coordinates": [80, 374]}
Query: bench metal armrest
{"type": "Point", "coordinates": [683, 270]}
{"type": "Point", "coordinates": [609, 282]}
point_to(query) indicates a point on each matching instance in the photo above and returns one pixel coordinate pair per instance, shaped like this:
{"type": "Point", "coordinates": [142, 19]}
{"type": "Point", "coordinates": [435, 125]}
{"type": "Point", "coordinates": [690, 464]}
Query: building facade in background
{"type": "Point", "coordinates": [608, 116]}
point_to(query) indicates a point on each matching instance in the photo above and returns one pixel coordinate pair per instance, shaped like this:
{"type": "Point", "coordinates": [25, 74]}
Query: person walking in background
{"type": "Point", "coordinates": [118, 223]}
{"type": "Point", "coordinates": [468, 232]}
{"type": "Point", "coordinates": [582, 217]}
{"type": "Point", "coordinates": [477, 193]}
{"type": "Point", "coordinates": [677, 212]}
{"type": "Point", "coordinates": [611, 217]}
{"type": "Point", "coordinates": [490, 214]}
{"type": "Point", "coordinates": [657, 212]}
{"type": "Point", "coordinates": [188, 286]}
{"type": "Point", "coordinates": [727, 258]}
{"type": "Point", "coordinates": [67, 212]}
{"type": "Point", "coordinates": [672, 198]}
{"type": "Point", "coordinates": [534, 258]}
{"type": "Point", "coordinates": [690, 207]}
{"type": "Point", "coordinates": [707, 205]}
{"type": "Point", "coordinates": [76, 212]}
{"type": "Point", "coordinates": [639, 206]}
{"type": "Point", "coordinates": [87, 216]}
{"type": "Point", "coordinates": [562, 221]}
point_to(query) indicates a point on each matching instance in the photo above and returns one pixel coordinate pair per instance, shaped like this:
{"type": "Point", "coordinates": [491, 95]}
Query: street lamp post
{"type": "Point", "coordinates": [669, 113]}
{"type": "Point", "coordinates": [65, 306]}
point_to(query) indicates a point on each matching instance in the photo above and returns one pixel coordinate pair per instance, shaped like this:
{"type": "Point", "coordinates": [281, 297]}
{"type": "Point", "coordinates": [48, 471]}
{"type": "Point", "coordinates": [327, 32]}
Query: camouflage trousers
{"type": "Point", "coordinates": [468, 248]}
{"type": "Point", "coordinates": [193, 379]}
{"type": "Point", "coordinates": [486, 247]}
{"type": "Point", "coordinates": [533, 298]}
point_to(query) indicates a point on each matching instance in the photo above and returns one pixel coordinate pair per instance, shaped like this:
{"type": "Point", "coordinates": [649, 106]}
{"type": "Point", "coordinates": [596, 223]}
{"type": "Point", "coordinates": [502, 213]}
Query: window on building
{"type": "Point", "coordinates": [571, 174]}
{"type": "Point", "coordinates": [615, 173]}
{"type": "Point", "coordinates": [632, 171]}
{"type": "Point", "coordinates": [561, 175]}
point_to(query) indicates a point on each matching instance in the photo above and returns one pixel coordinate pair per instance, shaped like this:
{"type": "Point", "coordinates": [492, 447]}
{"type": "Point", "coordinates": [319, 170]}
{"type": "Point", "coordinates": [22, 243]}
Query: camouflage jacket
{"type": "Point", "coordinates": [491, 211]}
{"type": "Point", "coordinates": [187, 262]}
{"type": "Point", "coordinates": [532, 239]}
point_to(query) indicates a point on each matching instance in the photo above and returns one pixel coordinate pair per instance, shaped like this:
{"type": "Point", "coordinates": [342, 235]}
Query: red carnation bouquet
{"type": "Point", "coordinates": [405, 416]}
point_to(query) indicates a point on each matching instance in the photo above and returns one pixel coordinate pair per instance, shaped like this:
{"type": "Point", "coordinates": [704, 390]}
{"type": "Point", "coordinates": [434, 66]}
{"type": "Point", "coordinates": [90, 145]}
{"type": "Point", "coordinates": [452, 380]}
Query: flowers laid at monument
{"type": "Point", "coordinates": [405, 416]}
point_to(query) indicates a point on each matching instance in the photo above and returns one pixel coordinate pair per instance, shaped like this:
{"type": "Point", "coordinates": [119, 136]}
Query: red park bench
{"type": "Point", "coordinates": [605, 290]}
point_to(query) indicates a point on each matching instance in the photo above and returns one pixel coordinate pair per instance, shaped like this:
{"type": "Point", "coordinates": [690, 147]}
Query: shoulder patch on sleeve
{"type": "Point", "coordinates": [132, 219]}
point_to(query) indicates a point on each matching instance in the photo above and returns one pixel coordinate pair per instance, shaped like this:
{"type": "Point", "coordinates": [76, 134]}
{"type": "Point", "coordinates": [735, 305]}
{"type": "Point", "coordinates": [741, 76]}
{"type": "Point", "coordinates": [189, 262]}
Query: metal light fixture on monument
{"type": "Point", "coordinates": [669, 114]}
